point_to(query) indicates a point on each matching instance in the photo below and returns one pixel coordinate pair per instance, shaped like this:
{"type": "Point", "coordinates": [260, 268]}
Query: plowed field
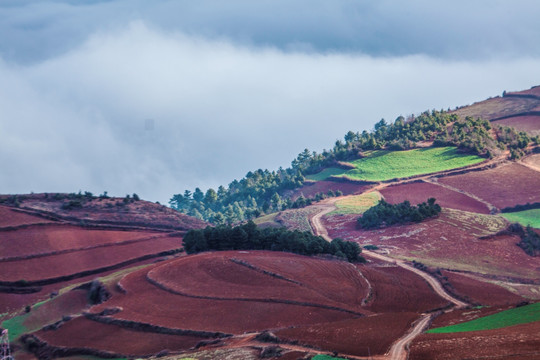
{"type": "Point", "coordinates": [454, 240]}
{"type": "Point", "coordinates": [515, 342]}
{"type": "Point", "coordinates": [71, 263]}
{"type": "Point", "coordinates": [262, 276]}
{"type": "Point", "coordinates": [362, 337]}
{"type": "Point", "coordinates": [420, 191]}
{"type": "Point", "coordinates": [52, 238]}
{"type": "Point", "coordinates": [84, 333]}
{"type": "Point", "coordinates": [398, 290]}
{"type": "Point", "coordinates": [480, 291]}
{"type": "Point", "coordinates": [347, 188]}
{"type": "Point", "coordinates": [9, 217]}
{"type": "Point", "coordinates": [148, 303]}
{"type": "Point", "coordinates": [529, 124]}
{"type": "Point", "coordinates": [505, 186]}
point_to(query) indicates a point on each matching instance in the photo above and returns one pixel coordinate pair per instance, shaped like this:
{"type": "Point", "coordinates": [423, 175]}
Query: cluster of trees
{"type": "Point", "coordinates": [521, 207]}
{"type": "Point", "coordinates": [530, 240]}
{"type": "Point", "coordinates": [77, 200]}
{"type": "Point", "coordinates": [250, 237]}
{"type": "Point", "coordinates": [256, 194]}
{"type": "Point", "coordinates": [385, 214]}
{"type": "Point", "coordinates": [263, 191]}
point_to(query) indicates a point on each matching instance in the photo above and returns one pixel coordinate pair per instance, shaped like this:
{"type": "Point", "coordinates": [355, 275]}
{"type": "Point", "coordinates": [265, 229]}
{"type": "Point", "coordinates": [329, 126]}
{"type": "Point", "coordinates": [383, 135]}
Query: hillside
{"type": "Point", "coordinates": [98, 277]}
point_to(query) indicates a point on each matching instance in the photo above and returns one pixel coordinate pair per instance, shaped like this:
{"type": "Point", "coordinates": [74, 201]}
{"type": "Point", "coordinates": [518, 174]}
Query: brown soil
{"type": "Point", "coordinates": [84, 333]}
{"type": "Point", "coordinates": [70, 263]}
{"type": "Point", "coordinates": [480, 291]}
{"type": "Point", "coordinates": [311, 189]}
{"type": "Point", "coordinates": [497, 107]}
{"type": "Point", "coordinates": [147, 303]}
{"type": "Point", "coordinates": [515, 342]}
{"type": "Point", "coordinates": [454, 240]}
{"type": "Point", "coordinates": [507, 185]}
{"type": "Point", "coordinates": [529, 124]}
{"type": "Point", "coordinates": [10, 217]}
{"type": "Point", "coordinates": [420, 191]}
{"type": "Point", "coordinates": [51, 238]}
{"type": "Point", "coordinates": [398, 290]}
{"type": "Point", "coordinates": [289, 277]}
{"type": "Point", "coordinates": [362, 337]}
{"type": "Point", "coordinates": [464, 315]}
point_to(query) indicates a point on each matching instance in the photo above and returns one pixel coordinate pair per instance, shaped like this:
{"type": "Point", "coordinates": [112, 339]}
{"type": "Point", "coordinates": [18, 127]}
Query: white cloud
{"type": "Point", "coordinates": [77, 121]}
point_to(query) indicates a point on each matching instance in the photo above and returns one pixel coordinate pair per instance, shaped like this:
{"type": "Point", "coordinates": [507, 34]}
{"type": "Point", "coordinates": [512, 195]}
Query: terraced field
{"type": "Point", "coordinates": [357, 204]}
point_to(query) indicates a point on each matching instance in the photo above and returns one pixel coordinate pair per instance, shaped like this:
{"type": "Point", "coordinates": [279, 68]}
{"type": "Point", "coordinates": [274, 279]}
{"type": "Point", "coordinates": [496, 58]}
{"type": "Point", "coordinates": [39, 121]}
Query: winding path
{"type": "Point", "coordinates": [398, 351]}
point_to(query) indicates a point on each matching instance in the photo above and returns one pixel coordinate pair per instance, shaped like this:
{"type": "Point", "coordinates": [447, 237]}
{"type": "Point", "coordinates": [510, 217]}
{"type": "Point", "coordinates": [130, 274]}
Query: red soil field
{"type": "Point", "coordinates": [311, 189]}
{"type": "Point", "coordinates": [398, 290]}
{"type": "Point", "coordinates": [463, 315]}
{"type": "Point", "coordinates": [420, 191]}
{"type": "Point", "coordinates": [50, 238]}
{"type": "Point", "coordinates": [530, 123]}
{"type": "Point", "coordinates": [84, 333]}
{"type": "Point", "coordinates": [532, 91]}
{"type": "Point", "coordinates": [497, 107]}
{"type": "Point", "coordinates": [147, 303]}
{"type": "Point", "coordinates": [451, 241]}
{"type": "Point", "coordinates": [371, 335]}
{"type": "Point", "coordinates": [113, 210]}
{"type": "Point", "coordinates": [71, 263]}
{"type": "Point", "coordinates": [515, 342]}
{"type": "Point", "coordinates": [533, 160]}
{"type": "Point", "coordinates": [9, 217]}
{"type": "Point", "coordinates": [507, 185]}
{"type": "Point", "coordinates": [480, 291]}
{"type": "Point", "coordinates": [303, 279]}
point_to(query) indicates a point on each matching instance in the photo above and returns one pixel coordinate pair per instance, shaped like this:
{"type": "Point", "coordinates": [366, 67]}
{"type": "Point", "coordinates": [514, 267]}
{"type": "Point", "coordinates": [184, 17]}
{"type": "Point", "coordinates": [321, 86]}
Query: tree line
{"type": "Point", "coordinates": [249, 237]}
{"type": "Point", "coordinates": [385, 214]}
{"type": "Point", "coordinates": [264, 191]}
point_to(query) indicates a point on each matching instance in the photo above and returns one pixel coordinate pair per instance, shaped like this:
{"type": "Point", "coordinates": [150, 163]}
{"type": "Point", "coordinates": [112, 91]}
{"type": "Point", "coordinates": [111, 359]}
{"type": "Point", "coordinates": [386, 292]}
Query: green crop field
{"type": "Point", "coordinates": [525, 217]}
{"type": "Point", "coordinates": [357, 204]}
{"type": "Point", "coordinates": [384, 165]}
{"type": "Point", "coordinates": [326, 357]}
{"type": "Point", "coordinates": [326, 173]}
{"type": "Point", "coordinates": [516, 316]}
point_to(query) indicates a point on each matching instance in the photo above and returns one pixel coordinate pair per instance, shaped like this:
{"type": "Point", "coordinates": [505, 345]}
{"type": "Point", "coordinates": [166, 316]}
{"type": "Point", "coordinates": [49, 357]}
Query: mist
{"type": "Point", "coordinates": [149, 108]}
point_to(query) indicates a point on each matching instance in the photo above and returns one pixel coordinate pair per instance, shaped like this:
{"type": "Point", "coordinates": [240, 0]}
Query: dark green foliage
{"type": "Point", "coordinates": [530, 240]}
{"type": "Point", "coordinates": [249, 237]}
{"type": "Point", "coordinates": [516, 208]}
{"type": "Point", "coordinates": [385, 214]}
{"type": "Point", "coordinates": [263, 191]}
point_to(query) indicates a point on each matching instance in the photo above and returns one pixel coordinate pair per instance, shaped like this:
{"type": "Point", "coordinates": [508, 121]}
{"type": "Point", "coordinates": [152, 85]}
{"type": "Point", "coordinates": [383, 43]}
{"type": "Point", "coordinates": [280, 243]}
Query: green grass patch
{"type": "Point", "coordinates": [325, 174]}
{"type": "Point", "coordinates": [521, 315]}
{"type": "Point", "coordinates": [384, 165]}
{"type": "Point", "coordinates": [326, 357]}
{"type": "Point", "coordinates": [357, 204]}
{"type": "Point", "coordinates": [525, 217]}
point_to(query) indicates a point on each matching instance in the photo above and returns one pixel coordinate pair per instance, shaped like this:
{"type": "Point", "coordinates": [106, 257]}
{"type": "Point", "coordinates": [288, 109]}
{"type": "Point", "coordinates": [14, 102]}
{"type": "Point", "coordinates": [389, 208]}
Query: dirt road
{"type": "Point", "coordinates": [398, 351]}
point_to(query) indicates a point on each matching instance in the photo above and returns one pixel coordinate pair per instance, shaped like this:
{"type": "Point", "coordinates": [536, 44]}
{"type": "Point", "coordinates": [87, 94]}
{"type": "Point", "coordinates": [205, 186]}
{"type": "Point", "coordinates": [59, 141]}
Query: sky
{"type": "Point", "coordinates": [155, 97]}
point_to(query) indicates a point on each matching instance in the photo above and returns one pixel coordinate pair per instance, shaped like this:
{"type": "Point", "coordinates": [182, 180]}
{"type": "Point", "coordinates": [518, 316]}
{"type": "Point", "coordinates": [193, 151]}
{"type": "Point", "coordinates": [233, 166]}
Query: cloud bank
{"type": "Point", "coordinates": [151, 107]}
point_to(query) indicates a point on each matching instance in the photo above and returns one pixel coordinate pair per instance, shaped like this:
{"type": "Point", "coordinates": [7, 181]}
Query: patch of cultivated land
{"type": "Point", "coordinates": [395, 289]}
{"type": "Point", "coordinates": [504, 186]}
{"type": "Point", "coordinates": [10, 217]}
{"type": "Point", "coordinates": [325, 174]}
{"type": "Point", "coordinates": [361, 337]}
{"type": "Point", "coordinates": [357, 204]}
{"type": "Point", "coordinates": [297, 219]}
{"type": "Point", "coordinates": [526, 217]}
{"type": "Point", "coordinates": [454, 240]}
{"type": "Point", "coordinates": [511, 317]}
{"type": "Point", "coordinates": [528, 123]}
{"type": "Point", "coordinates": [384, 165]}
{"type": "Point", "coordinates": [64, 264]}
{"type": "Point", "coordinates": [148, 303]}
{"type": "Point", "coordinates": [310, 189]}
{"type": "Point", "coordinates": [498, 107]}
{"type": "Point", "coordinates": [480, 291]}
{"type": "Point", "coordinates": [418, 192]}
{"type": "Point", "coordinates": [241, 275]}
{"type": "Point", "coordinates": [52, 238]}
{"type": "Point", "coordinates": [84, 333]}
{"type": "Point", "coordinates": [514, 342]}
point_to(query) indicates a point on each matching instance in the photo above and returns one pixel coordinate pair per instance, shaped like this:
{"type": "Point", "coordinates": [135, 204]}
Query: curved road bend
{"type": "Point", "coordinates": [398, 351]}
